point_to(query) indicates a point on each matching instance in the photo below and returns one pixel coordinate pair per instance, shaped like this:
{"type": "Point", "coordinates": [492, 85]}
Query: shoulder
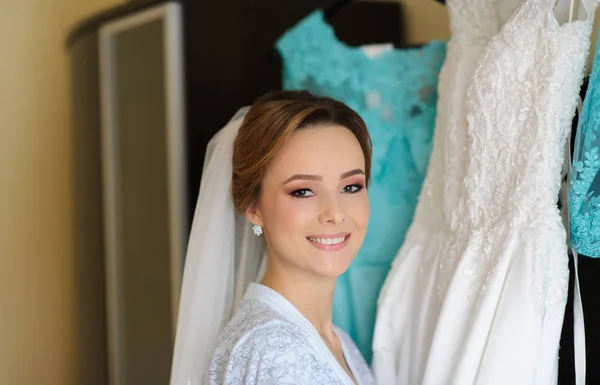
{"type": "Point", "coordinates": [255, 320]}
{"type": "Point", "coordinates": [259, 346]}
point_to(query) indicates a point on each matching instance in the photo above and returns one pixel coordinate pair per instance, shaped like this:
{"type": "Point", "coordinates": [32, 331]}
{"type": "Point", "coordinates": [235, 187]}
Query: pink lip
{"type": "Point", "coordinates": [326, 236]}
{"type": "Point", "coordinates": [337, 247]}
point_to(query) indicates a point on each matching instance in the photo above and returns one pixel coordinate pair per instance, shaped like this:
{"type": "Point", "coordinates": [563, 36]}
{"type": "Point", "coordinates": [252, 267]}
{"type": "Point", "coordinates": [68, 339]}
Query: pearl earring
{"type": "Point", "coordinates": [257, 230]}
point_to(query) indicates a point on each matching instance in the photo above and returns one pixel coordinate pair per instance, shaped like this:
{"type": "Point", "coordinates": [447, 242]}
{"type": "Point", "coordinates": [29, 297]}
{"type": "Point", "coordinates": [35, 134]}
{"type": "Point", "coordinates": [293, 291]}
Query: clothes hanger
{"type": "Point", "coordinates": [335, 7]}
{"type": "Point", "coordinates": [329, 12]}
{"type": "Point", "coordinates": [573, 8]}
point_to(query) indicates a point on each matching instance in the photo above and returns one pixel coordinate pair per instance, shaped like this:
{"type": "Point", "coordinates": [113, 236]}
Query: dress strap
{"type": "Point", "coordinates": [578, 321]}
{"type": "Point", "coordinates": [578, 329]}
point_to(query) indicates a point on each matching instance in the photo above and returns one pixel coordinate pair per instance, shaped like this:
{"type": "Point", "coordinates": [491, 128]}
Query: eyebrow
{"type": "Point", "coordinates": [345, 175]}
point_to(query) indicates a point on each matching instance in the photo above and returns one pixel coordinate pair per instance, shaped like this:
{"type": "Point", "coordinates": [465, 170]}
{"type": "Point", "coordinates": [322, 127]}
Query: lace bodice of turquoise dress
{"type": "Point", "coordinates": [395, 92]}
{"type": "Point", "coordinates": [584, 192]}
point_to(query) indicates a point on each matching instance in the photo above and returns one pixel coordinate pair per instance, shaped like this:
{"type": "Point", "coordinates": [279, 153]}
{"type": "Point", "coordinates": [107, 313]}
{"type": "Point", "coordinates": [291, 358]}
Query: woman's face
{"type": "Point", "coordinates": [314, 207]}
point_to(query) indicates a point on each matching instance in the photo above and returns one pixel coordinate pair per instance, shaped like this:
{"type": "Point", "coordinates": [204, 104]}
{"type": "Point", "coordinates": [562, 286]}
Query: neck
{"type": "Point", "coordinates": [312, 296]}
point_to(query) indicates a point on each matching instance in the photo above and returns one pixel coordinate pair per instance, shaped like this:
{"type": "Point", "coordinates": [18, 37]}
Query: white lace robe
{"type": "Point", "coordinates": [268, 341]}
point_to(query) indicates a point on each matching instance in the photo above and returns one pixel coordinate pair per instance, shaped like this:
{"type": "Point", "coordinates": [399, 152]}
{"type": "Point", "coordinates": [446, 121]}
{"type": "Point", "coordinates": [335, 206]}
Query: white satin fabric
{"type": "Point", "coordinates": [477, 292]}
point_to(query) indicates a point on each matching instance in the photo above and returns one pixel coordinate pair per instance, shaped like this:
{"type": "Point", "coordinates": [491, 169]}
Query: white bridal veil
{"type": "Point", "coordinates": [223, 256]}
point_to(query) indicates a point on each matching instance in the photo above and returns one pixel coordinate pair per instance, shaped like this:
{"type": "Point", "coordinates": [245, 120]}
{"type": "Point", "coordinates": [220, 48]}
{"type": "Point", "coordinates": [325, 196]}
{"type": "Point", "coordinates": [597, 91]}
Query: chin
{"type": "Point", "coordinates": [331, 271]}
{"type": "Point", "coordinates": [331, 265]}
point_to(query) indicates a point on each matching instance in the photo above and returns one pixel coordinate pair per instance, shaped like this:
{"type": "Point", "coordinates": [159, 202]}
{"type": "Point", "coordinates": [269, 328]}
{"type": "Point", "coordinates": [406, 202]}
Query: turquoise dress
{"type": "Point", "coordinates": [584, 192]}
{"type": "Point", "coordinates": [395, 92]}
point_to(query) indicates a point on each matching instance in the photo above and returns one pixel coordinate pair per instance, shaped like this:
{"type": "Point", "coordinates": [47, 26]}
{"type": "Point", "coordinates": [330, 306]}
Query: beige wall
{"type": "Point", "coordinates": [37, 342]}
{"type": "Point", "coordinates": [423, 20]}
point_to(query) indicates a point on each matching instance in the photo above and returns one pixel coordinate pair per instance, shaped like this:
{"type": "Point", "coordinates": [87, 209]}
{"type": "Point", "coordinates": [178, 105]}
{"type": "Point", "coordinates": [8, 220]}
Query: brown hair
{"type": "Point", "coordinates": [269, 124]}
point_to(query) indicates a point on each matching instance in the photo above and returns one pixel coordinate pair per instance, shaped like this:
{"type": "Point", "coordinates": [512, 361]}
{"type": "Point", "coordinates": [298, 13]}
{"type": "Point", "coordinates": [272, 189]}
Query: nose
{"type": "Point", "coordinates": [331, 211]}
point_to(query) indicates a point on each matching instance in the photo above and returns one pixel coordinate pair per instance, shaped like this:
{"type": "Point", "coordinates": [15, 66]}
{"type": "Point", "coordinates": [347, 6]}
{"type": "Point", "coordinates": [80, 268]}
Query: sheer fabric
{"type": "Point", "coordinates": [477, 292]}
{"type": "Point", "coordinates": [584, 193]}
{"type": "Point", "coordinates": [395, 93]}
{"type": "Point", "coordinates": [223, 257]}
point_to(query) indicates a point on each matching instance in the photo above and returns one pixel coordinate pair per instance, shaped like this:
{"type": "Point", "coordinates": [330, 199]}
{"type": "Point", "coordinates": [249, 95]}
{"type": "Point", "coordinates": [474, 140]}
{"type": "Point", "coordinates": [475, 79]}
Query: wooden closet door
{"type": "Point", "coordinates": [145, 211]}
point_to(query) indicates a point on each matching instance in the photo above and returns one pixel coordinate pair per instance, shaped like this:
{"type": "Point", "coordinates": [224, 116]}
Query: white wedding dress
{"type": "Point", "coordinates": [477, 293]}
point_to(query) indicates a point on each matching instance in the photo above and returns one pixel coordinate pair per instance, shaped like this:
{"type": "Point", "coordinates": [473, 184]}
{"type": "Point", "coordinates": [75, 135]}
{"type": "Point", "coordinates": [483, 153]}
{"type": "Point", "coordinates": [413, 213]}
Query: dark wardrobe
{"type": "Point", "coordinates": [151, 83]}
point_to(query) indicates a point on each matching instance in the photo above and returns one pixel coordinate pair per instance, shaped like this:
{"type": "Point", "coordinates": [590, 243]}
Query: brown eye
{"type": "Point", "coordinates": [302, 193]}
{"type": "Point", "coordinates": [353, 188]}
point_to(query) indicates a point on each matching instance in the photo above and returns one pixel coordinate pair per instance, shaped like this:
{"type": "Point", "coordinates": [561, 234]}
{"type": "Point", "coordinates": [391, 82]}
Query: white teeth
{"type": "Point", "coordinates": [328, 241]}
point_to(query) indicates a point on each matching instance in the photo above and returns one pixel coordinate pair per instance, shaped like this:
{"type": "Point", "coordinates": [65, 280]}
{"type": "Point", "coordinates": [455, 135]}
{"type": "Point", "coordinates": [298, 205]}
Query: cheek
{"type": "Point", "coordinates": [359, 210]}
{"type": "Point", "coordinates": [291, 214]}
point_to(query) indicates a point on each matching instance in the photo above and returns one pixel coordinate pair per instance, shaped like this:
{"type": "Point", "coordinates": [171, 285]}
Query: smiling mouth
{"type": "Point", "coordinates": [330, 243]}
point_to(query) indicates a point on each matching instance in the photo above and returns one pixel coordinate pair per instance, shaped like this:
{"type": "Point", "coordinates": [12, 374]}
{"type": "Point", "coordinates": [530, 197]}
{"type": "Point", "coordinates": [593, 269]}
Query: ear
{"type": "Point", "coordinates": [253, 215]}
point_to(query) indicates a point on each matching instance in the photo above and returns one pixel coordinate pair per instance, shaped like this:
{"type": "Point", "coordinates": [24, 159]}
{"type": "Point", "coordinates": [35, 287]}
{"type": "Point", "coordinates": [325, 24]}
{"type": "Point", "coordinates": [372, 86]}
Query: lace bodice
{"type": "Point", "coordinates": [269, 342]}
{"type": "Point", "coordinates": [395, 93]}
{"type": "Point", "coordinates": [394, 89]}
{"type": "Point", "coordinates": [484, 265]}
{"type": "Point", "coordinates": [584, 192]}
{"type": "Point", "coordinates": [516, 152]}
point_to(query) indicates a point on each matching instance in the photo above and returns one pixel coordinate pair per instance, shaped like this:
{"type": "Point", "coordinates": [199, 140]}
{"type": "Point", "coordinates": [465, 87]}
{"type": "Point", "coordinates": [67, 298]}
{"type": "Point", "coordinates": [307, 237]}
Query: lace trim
{"type": "Point", "coordinates": [584, 193]}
